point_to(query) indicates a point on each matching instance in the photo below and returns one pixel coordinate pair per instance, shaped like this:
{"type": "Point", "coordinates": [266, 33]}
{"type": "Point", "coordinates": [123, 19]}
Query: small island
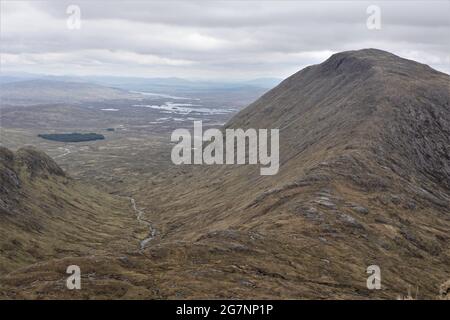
{"type": "Point", "coordinates": [72, 137]}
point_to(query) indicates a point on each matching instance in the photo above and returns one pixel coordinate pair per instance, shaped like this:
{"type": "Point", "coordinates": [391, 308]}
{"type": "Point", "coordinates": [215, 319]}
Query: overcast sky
{"type": "Point", "coordinates": [213, 39]}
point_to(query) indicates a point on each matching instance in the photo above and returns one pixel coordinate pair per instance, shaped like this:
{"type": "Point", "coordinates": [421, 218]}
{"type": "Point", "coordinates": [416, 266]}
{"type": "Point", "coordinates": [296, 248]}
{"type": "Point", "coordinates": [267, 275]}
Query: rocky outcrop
{"type": "Point", "coordinates": [37, 162]}
{"type": "Point", "coordinates": [17, 169]}
{"type": "Point", "coordinates": [444, 291]}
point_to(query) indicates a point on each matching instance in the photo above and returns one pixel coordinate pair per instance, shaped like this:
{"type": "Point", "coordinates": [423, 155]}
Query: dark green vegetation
{"type": "Point", "coordinates": [72, 137]}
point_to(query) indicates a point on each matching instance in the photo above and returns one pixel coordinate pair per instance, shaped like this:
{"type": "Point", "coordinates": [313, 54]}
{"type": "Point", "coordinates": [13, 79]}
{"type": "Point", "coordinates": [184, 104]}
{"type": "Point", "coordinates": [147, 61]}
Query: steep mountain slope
{"type": "Point", "coordinates": [365, 99]}
{"type": "Point", "coordinates": [364, 179]}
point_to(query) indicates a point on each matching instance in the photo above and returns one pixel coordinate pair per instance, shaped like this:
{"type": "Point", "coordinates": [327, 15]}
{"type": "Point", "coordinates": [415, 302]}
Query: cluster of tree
{"type": "Point", "coordinates": [72, 137]}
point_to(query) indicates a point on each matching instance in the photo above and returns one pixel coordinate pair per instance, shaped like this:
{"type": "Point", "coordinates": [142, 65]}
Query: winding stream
{"type": "Point", "coordinates": [139, 216]}
{"type": "Point", "coordinates": [66, 152]}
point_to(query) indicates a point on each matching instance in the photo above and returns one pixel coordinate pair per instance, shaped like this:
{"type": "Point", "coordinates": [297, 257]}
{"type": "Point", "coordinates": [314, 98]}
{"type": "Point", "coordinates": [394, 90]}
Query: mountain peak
{"type": "Point", "coordinates": [357, 100]}
{"type": "Point", "coordinates": [372, 59]}
{"type": "Point", "coordinates": [366, 53]}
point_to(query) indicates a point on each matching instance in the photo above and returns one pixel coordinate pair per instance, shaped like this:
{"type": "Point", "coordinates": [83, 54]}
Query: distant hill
{"type": "Point", "coordinates": [40, 91]}
{"type": "Point", "coordinates": [268, 83]}
{"type": "Point", "coordinates": [168, 85]}
{"type": "Point", "coordinates": [147, 83]}
{"type": "Point", "coordinates": [35, 89]}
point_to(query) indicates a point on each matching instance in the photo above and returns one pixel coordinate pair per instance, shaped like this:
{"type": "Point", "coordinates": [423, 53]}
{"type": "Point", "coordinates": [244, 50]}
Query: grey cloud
{"type": "Point", "coordinates": [218, 39]}
{"type": "Point", "coordinates": [254, 13]}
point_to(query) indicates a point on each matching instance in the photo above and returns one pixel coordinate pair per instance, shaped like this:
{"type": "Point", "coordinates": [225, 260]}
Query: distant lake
{"type": "Point", "coordinates": [72, 137]}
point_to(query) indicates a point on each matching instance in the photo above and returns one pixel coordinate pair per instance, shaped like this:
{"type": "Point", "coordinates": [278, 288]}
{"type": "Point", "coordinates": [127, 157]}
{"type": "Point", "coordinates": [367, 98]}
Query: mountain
{"type": "Point", "coordinates": [169, 84]}
{"type": "Point", "coordinates": [38, 91]}
{"type": "Point", "coordinates": [364, 179]}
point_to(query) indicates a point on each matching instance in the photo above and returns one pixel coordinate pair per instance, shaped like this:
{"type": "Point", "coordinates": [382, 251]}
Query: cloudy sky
{"type": "Point", "coordinates": [213, 39]}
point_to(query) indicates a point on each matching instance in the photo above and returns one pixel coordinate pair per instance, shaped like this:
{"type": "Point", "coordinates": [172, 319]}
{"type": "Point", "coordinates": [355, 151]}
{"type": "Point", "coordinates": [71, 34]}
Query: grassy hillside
{"type": "Point", "coordinates": [45, 214]}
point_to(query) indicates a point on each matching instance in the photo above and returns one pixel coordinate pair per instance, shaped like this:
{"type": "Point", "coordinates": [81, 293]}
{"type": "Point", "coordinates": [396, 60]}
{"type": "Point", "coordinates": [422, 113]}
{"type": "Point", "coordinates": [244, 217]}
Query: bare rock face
{"type": "Point", "coordinates": [360, 106]}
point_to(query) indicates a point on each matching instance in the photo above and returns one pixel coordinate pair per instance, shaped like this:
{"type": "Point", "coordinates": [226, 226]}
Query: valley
{"type": "Point", "coordinates": [137, 132]}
